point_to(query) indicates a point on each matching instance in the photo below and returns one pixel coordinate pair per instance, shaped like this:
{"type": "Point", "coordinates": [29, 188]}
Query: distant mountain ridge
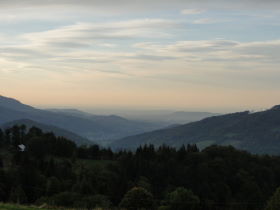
{"type": "Point", "coordinates": [257, 132]}
{"type": "Point", "coordinates": [93, 127]}
{"type": "Point", "coordinates": [168, 117]}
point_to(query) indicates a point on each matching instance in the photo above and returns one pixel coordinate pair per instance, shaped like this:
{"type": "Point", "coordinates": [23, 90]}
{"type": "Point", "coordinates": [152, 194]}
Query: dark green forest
{"type": "Point", "coordinates": [55, 171]}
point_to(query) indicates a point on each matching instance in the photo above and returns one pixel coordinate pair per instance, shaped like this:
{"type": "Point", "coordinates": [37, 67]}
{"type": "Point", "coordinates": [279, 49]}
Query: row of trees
{"type": "Point", "coordinates": [55, 171]}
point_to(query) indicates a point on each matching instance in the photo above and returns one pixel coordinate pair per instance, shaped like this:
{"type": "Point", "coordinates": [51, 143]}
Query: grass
{"type": "Point", "coordinates": [4, 206]}
{"type": "Point", "coordinates": [8, 206]}
{"type": "Point", "coordinates": [19, 207]}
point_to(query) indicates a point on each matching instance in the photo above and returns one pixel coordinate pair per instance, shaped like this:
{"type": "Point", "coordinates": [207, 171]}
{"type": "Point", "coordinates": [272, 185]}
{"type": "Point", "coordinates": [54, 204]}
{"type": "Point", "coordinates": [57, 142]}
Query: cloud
{"type": "Point", "coordinates": [205, 21]}
{"type": "Point", "coordinates": [149, 57]}
{"type": "Point", "coordinates": [129, 48]}
{"type": "Point", "coordinates": [116, 42]}
{"type": "Point", "coordinates": [86, 34]}
{"type": "Point", "coordinates": [268, 50]}
{"type": "Point", "coordinates": [192, 11]}
{"type": "Point", "coordinates": [59, 11]}
{"type": "Point", "coordinates": [135, 5]}
{"type": "Point", "coordinates": [102, 45]}
{"type": "Point", "coordinates": [218, 50]}
{"type": "Point", "coordinates": [84, 38]}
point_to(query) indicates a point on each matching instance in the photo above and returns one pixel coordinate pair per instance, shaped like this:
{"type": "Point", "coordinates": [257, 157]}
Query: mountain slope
{"type": "Point", "coordinates": [7, 114]}
{"type": "Point", "coordinates": [49, 128]}
{"type": "Point", "coordinates": [112, 122]}
{"type": "Point", "coordinates": [108, 128]}
{"type": "Point", "coordinates": [93, 127]}
{"type": "Point", "coordinates": [256, 132]}
{"type": "Point", "coordinates": [14, 104]}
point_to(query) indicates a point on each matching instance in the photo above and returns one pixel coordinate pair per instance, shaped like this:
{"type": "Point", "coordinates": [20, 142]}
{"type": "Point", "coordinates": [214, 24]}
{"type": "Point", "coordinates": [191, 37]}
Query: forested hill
{"type": "Point", "coordinates": [257, 132]}
{"type": "Point", "coordinates": [53, 171]}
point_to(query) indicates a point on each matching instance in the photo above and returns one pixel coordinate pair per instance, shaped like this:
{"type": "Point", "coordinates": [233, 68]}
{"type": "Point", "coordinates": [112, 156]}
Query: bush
{"type": "Point", "coordinates": [137, 198]}
{"type": "Point", "coordinates": [181, 199]}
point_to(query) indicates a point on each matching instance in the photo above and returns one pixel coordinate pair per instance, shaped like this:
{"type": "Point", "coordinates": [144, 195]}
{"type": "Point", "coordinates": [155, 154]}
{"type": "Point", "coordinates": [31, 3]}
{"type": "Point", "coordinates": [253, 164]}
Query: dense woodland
{"type": "Point", "coordinates": [54, 171]}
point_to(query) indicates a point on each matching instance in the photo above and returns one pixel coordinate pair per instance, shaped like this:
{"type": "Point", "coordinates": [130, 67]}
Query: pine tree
{"type": "Point", "coordinates": [18, 195]}
{"type": "Point", "coordinates": [53, 186]}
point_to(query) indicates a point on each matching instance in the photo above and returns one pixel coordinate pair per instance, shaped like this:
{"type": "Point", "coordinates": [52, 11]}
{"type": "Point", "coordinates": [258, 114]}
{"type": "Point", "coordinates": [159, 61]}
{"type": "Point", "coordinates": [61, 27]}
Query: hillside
{"type": "Point", "coordinates": [256, 132]}
{"type": "Point", "coordinates": [14, 104]}
{"type": "Point", "coordinates": [93, 127]}
{"type": "Point", "coordinates": [49, 128]}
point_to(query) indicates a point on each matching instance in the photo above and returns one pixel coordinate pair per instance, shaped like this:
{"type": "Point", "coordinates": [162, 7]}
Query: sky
{"type": "Point", "coordinates": [179, 54]}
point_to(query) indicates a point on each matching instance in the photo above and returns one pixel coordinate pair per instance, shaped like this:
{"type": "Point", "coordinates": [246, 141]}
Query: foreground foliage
{"type": "Point", "coordinates": [274, 202]}
{"type": "Point", "coordinates": [54, 171]}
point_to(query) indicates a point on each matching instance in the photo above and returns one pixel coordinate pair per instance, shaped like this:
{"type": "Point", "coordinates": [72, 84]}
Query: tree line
{"type": "Point", "coordinates": [55, 171]}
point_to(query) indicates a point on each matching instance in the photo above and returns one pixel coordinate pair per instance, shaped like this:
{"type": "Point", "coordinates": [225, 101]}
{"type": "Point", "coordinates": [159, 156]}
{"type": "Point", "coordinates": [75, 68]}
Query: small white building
{"type": "Point", "coordinates": [22, 147]}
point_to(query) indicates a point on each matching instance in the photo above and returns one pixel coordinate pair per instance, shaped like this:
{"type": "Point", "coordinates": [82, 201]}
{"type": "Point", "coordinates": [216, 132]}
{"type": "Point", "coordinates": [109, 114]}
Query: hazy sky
{"type": "Point", "coordinates": [182, 54]}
